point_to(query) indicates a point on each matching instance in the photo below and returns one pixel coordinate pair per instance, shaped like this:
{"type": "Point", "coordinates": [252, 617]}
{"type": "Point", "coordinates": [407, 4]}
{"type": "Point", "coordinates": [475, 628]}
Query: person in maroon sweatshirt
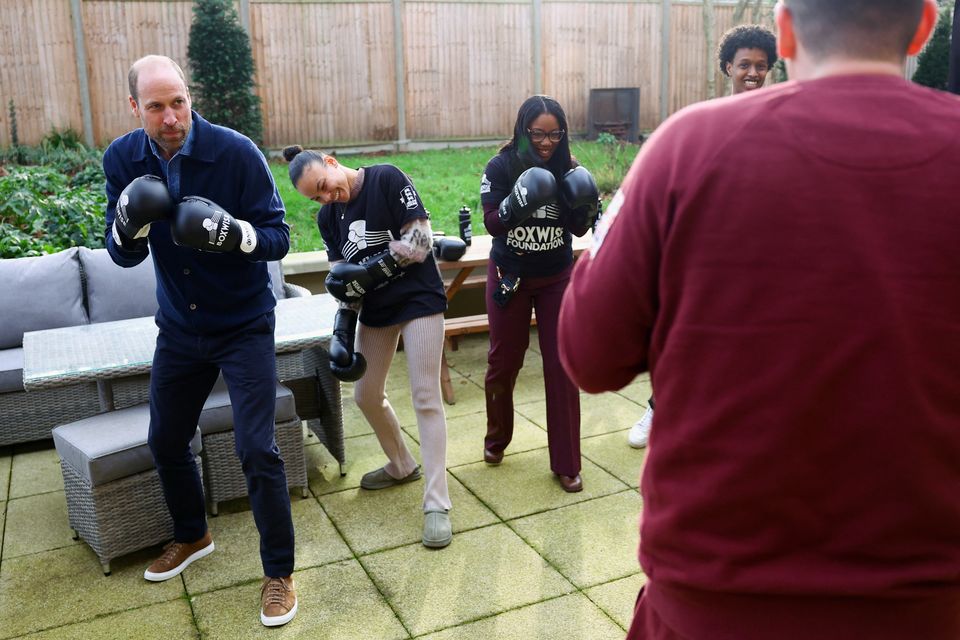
{"type": "Point", "coordinates": [792, 287]}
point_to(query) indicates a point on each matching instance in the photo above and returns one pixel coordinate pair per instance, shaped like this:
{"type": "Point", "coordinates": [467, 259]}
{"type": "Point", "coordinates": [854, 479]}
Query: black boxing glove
{"type": "Point", "coordinates": [450, 249]}
{"type": "Point", "coordinates": [345, 364]}
{"type": "Point", "coordinates": [579, 194]}
{"type": "Point", "coordinates": [202, 224]}
{"type": "Point", "coordinates": [142, 202]}
{"type": "Point", "coordinates": [349, 282]}
{"type": "Point", "coordinates": [534, 188]}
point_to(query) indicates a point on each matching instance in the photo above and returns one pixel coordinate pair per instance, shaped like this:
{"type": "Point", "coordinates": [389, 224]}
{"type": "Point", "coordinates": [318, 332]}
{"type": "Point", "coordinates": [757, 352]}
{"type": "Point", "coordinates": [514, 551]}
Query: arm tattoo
{"type": "Point", "coordinates": [415, 243]}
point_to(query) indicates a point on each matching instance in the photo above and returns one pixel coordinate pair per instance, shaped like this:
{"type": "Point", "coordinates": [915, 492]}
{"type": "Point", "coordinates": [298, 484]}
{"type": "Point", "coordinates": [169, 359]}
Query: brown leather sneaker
{"type": "Point", "coordinates": [278, 601]}
{"type": "Point", "coordinates": [177, 556]}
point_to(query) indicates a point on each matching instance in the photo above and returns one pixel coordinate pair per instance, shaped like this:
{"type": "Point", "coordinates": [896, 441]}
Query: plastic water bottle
{"type": "Point", "coordinates": [466, 232]}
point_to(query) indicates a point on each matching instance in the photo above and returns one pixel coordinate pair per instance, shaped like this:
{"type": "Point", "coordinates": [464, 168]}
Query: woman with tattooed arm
{"type": "Point", "coordinates": [379, 243]}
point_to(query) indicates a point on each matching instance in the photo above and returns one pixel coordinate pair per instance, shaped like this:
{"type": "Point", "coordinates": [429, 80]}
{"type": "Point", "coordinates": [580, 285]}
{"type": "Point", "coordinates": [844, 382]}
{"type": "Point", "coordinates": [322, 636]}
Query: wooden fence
{"type": "Point", "coordinates": [350, 72]}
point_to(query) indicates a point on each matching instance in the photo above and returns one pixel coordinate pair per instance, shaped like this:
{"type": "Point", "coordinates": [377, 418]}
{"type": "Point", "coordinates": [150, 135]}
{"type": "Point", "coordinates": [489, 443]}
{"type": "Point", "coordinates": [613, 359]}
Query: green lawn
{"type": "Point", "coordinates": [446, 179]}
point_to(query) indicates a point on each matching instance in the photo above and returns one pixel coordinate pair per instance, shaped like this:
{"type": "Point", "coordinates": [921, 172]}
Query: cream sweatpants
{"type": "Point", "coordinates": [423, 344]}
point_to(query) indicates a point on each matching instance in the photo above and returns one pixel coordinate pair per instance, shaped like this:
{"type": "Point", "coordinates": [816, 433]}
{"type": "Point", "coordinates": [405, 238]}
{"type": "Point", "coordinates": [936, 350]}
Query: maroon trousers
{"type": "Point", "coordinates": [509, 339]}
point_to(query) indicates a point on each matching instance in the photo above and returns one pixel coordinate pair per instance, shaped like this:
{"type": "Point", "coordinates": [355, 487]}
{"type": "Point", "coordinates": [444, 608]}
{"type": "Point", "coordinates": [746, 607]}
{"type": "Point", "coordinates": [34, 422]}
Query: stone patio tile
{"type": "Point", "coordinates": [523, 484]}
{"type": "Point", "coordinates": [529, 388]}
{"type": "Point", "coordinates": [618, 598]}
{"type": "Point", "coordinates": [612, 453]}
{"type": "Point", "coordinates": [35, 472]}
{"type": "Point", "coordinates": [465, 437]}
{"type": "Point", "coordinates": [354, 424]}
{"type": "Point", "coordinates": [3, 515]}
{"type": "Point", "coordinates": [237, 556]}
{"type": "Point", "coordinates": [363, 454]}
{"type": "Point", "coordinates": [601, 413]}
{"type": "Point", "coordinates": [482, 572]}
{"type": "Point", "coordinates": [398, 379]}
{"type": "Point", "coordinates": [470, 357]}
{"type": "Point", "coordinates": [374, 520]}
{"type": "Point", "coordinates": [171, 620]}
{"type": "Point", "coordinates": [571, 616]}
{"type": "Point", "coordinates": [589, 543]}
{"type": "Point", "coordinates": [470, 360]}
{"type": "Point", "coordinates": [5, 463]}
{"type": "Point", "coordinates": [37, 523]}
{"type": "Point", "coordinates": [335, 601]}
{"type": "Point", "coordinates": [639, 390]}
{"type": "Point", "coordinates": [65, 586]}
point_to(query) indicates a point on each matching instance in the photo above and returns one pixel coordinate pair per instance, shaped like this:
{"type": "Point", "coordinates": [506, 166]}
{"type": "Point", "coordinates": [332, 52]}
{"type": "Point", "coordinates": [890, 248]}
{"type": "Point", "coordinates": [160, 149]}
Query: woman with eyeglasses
{"type": "Point", "coordinates": [534, 196]}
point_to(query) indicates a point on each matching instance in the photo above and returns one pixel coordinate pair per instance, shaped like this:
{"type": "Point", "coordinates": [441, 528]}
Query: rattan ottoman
{"type": "Point", "coordinates": [223, 475]}
{"type": "Point", "coordinates": [114, 498]}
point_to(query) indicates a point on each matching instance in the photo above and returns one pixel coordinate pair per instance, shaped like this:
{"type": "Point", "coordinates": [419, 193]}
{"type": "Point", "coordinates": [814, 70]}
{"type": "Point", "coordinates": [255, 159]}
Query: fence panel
{"type": "Point", "coordinates": [468, 67]}
{"type": "Point", "coordinates": [38, 69]}
{"type": "Point", "coordinates": [116, 34]}
{"type": "Point", "coordinates": [325, 69]}
{"type": "Point", "coordinates": [590, 45]}
{"type": "Point", "coordinates": [325, 72]}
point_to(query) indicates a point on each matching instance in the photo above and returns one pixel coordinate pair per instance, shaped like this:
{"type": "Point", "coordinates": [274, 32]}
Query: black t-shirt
{"type": "Point", "coordinates": [365, 226]}
{"type": "Point", "coordinates": [540, 245]}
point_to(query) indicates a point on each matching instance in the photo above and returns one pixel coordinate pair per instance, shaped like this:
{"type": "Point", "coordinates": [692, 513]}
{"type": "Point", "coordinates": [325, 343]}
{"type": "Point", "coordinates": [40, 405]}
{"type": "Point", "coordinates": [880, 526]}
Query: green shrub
{"type": "Point", "coordinates": [221, 62]}
{"type": "Point", "coordinates": [41, 212]}
{"type": "Point", "coordinates": [933, 65]}
{"type": "Point", "coordinates": [63, 151]}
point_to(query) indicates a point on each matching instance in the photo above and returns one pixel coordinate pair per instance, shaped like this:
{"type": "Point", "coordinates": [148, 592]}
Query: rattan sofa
{"type": "Point", "coordinates": [75, 286]}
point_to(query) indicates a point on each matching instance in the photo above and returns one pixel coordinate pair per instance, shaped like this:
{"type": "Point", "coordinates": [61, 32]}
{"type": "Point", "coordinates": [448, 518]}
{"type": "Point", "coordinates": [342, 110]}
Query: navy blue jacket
{"type": "Point", "coordinates": [200, 292]}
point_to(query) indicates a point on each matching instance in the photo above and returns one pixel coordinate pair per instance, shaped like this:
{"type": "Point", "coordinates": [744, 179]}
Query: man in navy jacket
{"type": "Point", "coordinates": [200, 199]}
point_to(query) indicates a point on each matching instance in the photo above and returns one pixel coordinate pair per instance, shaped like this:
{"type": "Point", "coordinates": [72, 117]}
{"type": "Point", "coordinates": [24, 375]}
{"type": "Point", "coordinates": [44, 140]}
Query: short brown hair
{"type": "Point", "coordinates": [870, 29]}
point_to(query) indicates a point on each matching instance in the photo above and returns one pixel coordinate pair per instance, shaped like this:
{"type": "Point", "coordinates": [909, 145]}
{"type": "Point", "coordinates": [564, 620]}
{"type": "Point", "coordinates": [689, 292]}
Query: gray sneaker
{"type": "Point", "coordinates": [437, 532]}
{"type": "Point", "coordinates": [380, 479]}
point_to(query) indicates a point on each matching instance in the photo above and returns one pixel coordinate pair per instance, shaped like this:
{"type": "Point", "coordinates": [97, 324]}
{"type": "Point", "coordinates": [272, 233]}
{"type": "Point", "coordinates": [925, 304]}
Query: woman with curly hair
{"type": "Point", "coordinates": [746, 53]}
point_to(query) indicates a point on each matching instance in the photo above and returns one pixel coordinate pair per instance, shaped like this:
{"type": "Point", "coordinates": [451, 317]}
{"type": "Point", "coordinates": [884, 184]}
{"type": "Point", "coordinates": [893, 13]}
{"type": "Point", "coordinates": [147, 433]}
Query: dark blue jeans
{"type": "Point", "coordinates": [185, 368]}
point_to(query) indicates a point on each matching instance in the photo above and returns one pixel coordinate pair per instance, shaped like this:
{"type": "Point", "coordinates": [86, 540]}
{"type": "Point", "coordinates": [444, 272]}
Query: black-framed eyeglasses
{"type": "Point", "coordinates": [555, 136]}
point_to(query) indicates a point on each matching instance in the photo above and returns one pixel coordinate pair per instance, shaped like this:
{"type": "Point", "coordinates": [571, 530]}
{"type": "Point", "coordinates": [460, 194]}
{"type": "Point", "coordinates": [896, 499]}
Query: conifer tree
{"type": "Point", "coordinates": [221, 64]}
{"type": "Point", "coordinates": [934, 62]}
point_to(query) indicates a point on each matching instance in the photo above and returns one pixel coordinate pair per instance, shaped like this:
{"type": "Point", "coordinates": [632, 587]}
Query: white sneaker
{"type": "Point", "coordinates": [640, 432]}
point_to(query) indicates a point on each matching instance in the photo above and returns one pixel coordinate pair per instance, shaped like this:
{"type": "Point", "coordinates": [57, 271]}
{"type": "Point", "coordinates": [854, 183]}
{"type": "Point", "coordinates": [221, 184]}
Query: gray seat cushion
{"type": "Point", "coordinates": [39, 293]}
{"type": "Point", "coordinates": [217, 414]}
{"type": "Point", "coordinates": [11, 370]}
{"type": "Point", "coordinates": [276, 279]}
{"type": "Point", "coordinates": [111, 445]}
{"type": "Point", "coordinates": [115, 293]}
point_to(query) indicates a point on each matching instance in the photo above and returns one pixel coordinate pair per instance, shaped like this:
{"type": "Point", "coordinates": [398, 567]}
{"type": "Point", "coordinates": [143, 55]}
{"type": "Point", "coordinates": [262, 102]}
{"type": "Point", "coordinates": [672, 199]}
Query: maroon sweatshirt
{"type": "Point", "coordinates": [786, 263]}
